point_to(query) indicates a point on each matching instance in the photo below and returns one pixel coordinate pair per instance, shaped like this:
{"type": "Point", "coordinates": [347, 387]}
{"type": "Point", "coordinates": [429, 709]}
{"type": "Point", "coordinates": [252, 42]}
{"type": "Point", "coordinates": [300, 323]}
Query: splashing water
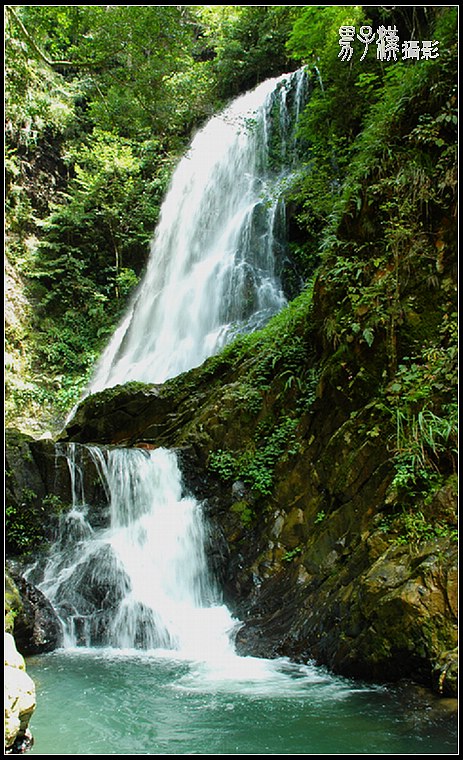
{"type": "Point", "coordinates": [143, 581]}
{"type": "Point", "coordinates": [140, 585]}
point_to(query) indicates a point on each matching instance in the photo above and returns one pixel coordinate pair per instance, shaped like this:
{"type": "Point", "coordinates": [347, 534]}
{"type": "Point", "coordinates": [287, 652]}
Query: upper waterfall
{"type": "Point", "coordinates": [214, 266]}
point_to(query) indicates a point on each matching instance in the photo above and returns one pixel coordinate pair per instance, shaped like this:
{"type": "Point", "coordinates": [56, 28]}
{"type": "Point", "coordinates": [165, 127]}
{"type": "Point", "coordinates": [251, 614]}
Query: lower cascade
{"type": "Point", "coordinates": [148, 664]}
{"type": "Point", "coordinates": [142, 580]}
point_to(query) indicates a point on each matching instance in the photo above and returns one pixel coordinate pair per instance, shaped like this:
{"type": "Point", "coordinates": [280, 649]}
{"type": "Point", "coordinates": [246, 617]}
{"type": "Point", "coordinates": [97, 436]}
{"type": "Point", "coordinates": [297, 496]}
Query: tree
{"type": "Point", "coordinates": [247, 43]}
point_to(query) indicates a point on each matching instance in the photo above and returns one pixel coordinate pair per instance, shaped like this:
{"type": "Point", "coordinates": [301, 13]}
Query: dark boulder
{"type": "Point", "coordinates": [37, 627]}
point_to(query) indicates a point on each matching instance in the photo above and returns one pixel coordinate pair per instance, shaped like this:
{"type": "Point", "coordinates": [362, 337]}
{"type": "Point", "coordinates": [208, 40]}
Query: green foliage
{"type": "Point", "coordinates": [421, 400]}
{"type": "Point", "coordinates": [412, 527]}
{"type": "Point", "coordinates": [291, 554]}
{"type": "Point", "coordinates": [92, 247]}
{"type": "Point", "coordinates": [224, 464]}
{"type": "Point", "coordinates": [244, 511]}
{"type": "Point", "coordinates": [24, 521]}
{"type": "Point", "coordinates": [426, 444]}
{"type": "Point", "coordinates": [425, 441]}
{"type": "Point", "coordinates": [126, 57]}
{"type": "Point", "coordinates": [376, 195]}
{"type": "Point", "coordinates": [280, 355]}
{"type": "Point", "coordinates": [111, 206]}
{"type": "Point", "coordinates": [354, 125]}
{"type": "Point", "coordinates": [341, 97]}
{"type": "Point", "coordinates": [255, 466]}
{"type": "Point", "coordinates": [36, 97]}
{"type": "Point", "coordinates": [23, 533]}
{"type": "Point", "coordinates": [13, 604]}
{"type": "Point", "coordinates": [100, 102]}
{"type": "Point", "coordinates": [246, 43]}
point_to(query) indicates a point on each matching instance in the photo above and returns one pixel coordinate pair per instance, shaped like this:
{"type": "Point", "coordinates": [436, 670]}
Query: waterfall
{"type": "Point", "coordinates": [139, 577]}
{"type": "Point", "coordinates": [216, 256]}
{"type": "Point", "coordinates": [142, 580]}
{"type": "Point", "coordinates": [319, 77]}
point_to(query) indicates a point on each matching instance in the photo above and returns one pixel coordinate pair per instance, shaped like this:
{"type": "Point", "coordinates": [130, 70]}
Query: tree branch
{"type": "Point", "coordinates": [40, 53]}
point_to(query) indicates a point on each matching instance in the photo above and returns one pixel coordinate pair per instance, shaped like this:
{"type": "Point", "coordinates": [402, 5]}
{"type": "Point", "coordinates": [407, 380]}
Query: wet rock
{"type": "Point", "coordinates": [445, 675]}
{"type": "Point", "coordinates": [39, 493]}
{"type": "Point", "coordinates": [20, 699]}
{"type": "Point", "coordinates": [119, 415]}
{"type": "Point", "coordinates": [37, 489]}
{"type": "Point", "coordinates": [391, 621]}
{"type": "Point", "coordinates": [37, 627]}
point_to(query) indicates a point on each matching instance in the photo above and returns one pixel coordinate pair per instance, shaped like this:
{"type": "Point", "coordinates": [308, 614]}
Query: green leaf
{"type": "Point", "coordinates": [368, 335]}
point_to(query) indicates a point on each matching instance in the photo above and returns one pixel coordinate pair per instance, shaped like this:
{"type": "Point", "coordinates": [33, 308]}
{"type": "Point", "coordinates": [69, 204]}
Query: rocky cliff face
{"type": "Point", "coordinates": [308, 561]}
{"type": "Point", "coordinates": [295, 467]}
{"type": "Point", "coordinates": [295, 464]}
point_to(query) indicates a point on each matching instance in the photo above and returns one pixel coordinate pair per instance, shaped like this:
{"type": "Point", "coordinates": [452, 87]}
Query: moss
{"type": "Point", "coordinates": [29, 510]}
{"type": "Point", "coordinates": [102, 399]}
{"type": "Point", "coordinates": [13, 604]}
{"type": "Point", "coordinates": [244, 511]}
{"type": "Point", "coordinates": [291, 554]}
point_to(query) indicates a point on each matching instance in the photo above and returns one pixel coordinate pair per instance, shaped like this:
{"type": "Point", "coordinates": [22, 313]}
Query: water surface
{"type": "Point", "coordinates": [94, 702]}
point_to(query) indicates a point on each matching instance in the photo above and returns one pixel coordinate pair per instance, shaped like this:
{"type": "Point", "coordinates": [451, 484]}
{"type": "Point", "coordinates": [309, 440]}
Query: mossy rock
{"type": "Point", "coordinates": [13, 604]}
{"type": "Point", "coordinates": [30, 617]}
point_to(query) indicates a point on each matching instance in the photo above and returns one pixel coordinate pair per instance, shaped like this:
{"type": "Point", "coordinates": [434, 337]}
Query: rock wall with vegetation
{"type": "Point", "coordinates": [324, 446]}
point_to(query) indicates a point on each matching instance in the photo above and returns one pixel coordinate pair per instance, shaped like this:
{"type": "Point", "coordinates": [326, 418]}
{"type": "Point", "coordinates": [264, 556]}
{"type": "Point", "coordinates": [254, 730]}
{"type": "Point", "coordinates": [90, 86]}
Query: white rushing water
{"type": "Point", "coordinates": [214, 266]}
{"type": "Point", "coordinates": [142, 581]}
